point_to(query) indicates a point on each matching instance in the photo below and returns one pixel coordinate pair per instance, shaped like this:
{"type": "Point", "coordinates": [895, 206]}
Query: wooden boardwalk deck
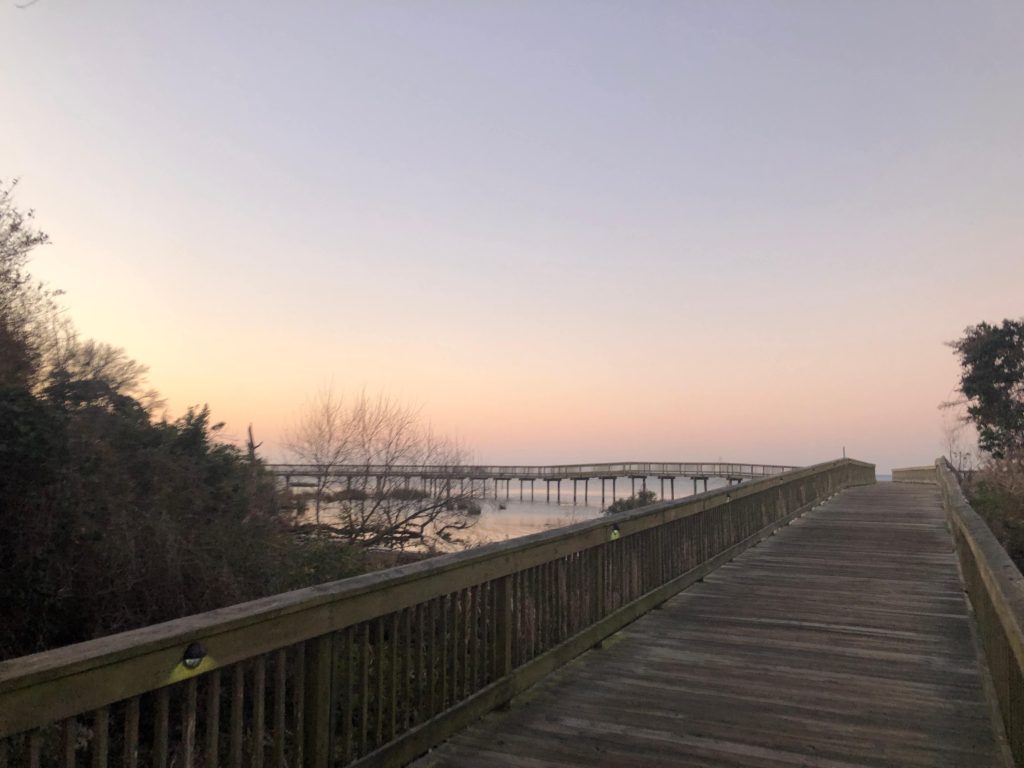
{"type": "Point", "coordinates": [845, 640]}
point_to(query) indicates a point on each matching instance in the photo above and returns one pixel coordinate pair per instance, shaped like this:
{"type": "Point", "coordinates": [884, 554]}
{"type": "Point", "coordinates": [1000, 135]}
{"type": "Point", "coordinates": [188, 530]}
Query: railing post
{"type": "Point", "coordinates": [319, 705]}
{"type": "Point", "coordinates": [502, 627]}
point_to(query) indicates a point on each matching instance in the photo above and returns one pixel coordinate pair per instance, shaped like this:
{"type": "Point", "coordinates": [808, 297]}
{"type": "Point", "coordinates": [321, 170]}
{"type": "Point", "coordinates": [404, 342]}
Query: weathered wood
{"type": "Point", "coordinates": [131, 733]}
{"type": "Point", "coordinates": [69, 740]}
{"type": "Point", "coordinates": [418, 740]}
{"type": "Point", "coordinates": [843, 640]}
{"type": "Point", "coordinates": [211, 746]}
{"type": "Point", "coordinates": [188, 724]}
{"type": "Point", "coordinates": [996, 590]}
{"type": "Point", "coordinates": [540, 618]}
{"type": "Point", "coordinates": [64, 682]}
{"type": "Point", "coordinates": [162, 727]}
{"type": "Point", "coordinates": [280, 698]}
{"type": "Point", "coordinates": [319, 656]}
{"type": "Point", "coordinates": [237, 712]}
{"type": "Point", "coordinates": [259, 705]}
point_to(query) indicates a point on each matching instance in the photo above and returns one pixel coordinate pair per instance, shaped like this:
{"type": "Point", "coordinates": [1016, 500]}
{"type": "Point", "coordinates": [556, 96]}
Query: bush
{"type": "Point", "coordinates": [635, 501]}
{"type": "Point", "coordinates": [996, 492]}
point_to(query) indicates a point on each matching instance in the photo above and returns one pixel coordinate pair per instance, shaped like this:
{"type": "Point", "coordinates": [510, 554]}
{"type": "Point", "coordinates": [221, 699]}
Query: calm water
{"type": "Point", "coordinates": [520, 518]}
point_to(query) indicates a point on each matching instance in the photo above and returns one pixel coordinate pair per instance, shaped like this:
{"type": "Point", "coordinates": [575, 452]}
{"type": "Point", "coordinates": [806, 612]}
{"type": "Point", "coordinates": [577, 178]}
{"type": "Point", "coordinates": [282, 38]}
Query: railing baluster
{"type": "Point", "coordinates": [35, 748]}
{"type": "Point", "coordinates": [364, 687]}
{"type": "Point", "coordinates": [188, 724]}
{"type": "Point", "coordinates": [502, 594]}
{"type": "Point", "coordinates": [161, 727]}
{"type": "Point", "coordinates": [443, 628]}
{"type": "Point", "coordinates": [237, 712]}
{"type": "Point", "coordinates": [433, 679]}
{"type": "Point", "coordinates": [100, 737]}
{"type": "Point", "coordinates": [319, 704]}
{"type": "Point", "coordinates": [259, 704]}
{"type": "Point", "coordinates": [131, 733]}
{"type": "Point", "coordinates": [393, 689]}
{"type": "Point", "coordinates": [212, 733]}
{"type": "Point", "coordinates": [423, 681]}
{"type": "Point", "coordinates": [347, 678]}
{"type": "Point", "coordinates": [299, 704]}
{"type": "Point", "coordinates": [69, 741]}
{"type": "Point", "coordinates": [408, 671]}
{"type": "Point", "coordinates": [473, 623]}
{"type": "Point", "coordinates": [280, 698]}
{"type": "Point", "coordinates": [379, 657]}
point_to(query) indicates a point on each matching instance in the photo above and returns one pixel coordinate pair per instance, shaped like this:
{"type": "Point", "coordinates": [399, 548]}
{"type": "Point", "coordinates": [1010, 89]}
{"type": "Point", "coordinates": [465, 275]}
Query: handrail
{"type": "Point", "coordinates": [924, 474]}
{"type": "Point", "coordinates": [995, 587]}
{"type": "Point", "coordinates": [375, 668]}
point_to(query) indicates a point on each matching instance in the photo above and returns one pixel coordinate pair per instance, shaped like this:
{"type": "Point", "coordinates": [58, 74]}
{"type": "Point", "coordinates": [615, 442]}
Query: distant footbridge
{"type": "Point", "coordinates": [440, 478]}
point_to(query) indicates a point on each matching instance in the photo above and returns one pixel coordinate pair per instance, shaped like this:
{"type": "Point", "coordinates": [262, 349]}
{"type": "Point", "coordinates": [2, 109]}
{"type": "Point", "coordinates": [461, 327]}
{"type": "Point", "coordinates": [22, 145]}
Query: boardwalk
{"type": "Point", "coordinates": [845, 640]}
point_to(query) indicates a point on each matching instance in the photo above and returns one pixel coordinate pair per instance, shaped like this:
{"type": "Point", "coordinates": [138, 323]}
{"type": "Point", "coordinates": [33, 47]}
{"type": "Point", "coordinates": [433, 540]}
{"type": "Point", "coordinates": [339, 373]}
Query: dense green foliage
{"type": "Point", "coordinates": [109, 517]}
{"type": "Point", "coordinates": [635, 501]}
{"type": "Point", "coordinates": [992, 383]}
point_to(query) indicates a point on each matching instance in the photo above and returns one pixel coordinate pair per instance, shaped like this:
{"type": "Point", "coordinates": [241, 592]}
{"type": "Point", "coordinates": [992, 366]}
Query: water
{"type": "Point", "coordinates": [504, 518]}
{"type": "Point", "coordinates": [520, 518]}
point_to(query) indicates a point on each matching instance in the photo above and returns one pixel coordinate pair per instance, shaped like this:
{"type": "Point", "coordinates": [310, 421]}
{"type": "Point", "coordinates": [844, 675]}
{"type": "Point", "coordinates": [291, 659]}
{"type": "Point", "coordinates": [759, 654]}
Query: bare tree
{"type": "Point", "coordinates": [320, 439]}
{"type": "Point", "coordinates": [367, 455]}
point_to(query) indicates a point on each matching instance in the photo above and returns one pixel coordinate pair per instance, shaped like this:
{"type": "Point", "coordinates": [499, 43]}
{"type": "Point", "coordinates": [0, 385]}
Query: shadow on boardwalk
{"type": "Point", "coordinates": [845, 640]}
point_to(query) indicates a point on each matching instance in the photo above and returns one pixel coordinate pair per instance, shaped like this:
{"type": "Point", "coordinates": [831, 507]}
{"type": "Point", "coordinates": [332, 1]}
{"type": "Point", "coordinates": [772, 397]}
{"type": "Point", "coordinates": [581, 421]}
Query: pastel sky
{"type": "Point", "coordinates": [571, 231]}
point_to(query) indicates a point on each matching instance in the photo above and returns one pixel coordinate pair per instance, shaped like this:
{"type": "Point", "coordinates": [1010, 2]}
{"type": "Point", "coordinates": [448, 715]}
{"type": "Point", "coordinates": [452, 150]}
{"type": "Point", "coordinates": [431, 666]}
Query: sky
{"type": "Point", "coordinates": [567, 231]}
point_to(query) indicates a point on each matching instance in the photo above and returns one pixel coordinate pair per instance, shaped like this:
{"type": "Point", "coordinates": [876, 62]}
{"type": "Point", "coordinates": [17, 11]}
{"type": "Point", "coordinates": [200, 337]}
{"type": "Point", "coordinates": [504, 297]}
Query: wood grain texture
{"type": "Point", "coordinates": [844, 640]}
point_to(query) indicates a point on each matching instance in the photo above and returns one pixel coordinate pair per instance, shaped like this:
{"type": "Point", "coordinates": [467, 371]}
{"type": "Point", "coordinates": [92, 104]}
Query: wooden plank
{"type": "Point", "coordinates": [259, 706]}
{"type": "Point", "coordinates": [161, 728]}
{"type": "Point", "coordinates": [842, 640]}
{"type": "Point", "coordinates": [131, 734]}
{"type": "Point", "coordinates": [237, 715]}
{"type": "Point", "coordinates": [211, 744]}
{"type": "Point", "coordinates": [189, 703]}
{"type": "Point", "coordinates": [319, 657]}
{"type": "Point", "coordinates": [280, 700]}
{"type": "Point", "coordinates": [101, 738]}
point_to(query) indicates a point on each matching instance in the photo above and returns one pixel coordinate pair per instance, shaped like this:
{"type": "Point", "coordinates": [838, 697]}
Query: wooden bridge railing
{"type": "Point", "coordinates": [996, 590]}
{"type": "Point", "coordinates": [376, 669]}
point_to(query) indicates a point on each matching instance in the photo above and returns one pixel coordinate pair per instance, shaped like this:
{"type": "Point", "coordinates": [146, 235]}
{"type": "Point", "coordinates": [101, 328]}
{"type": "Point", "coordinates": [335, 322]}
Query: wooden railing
{"type": "Point", "coordinates": [376, 669]}
{"type": "Point", "coordinates": [996, 590]}
{"type": "Point", "coordinates": [915, 475]}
